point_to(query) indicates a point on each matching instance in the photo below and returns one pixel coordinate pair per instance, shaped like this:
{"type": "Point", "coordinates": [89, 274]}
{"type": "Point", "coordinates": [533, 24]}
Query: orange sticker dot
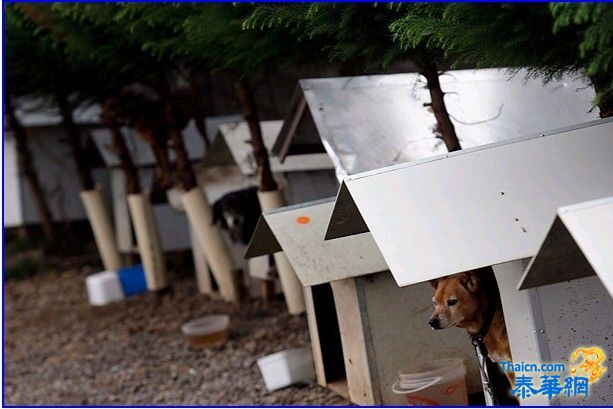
{"type": "Point", "coordinates": [303, 219]}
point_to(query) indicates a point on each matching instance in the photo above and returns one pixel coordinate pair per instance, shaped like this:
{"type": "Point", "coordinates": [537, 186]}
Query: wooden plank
{"type": "Point", "coordinates": [314, 334]}
{"type": "Point", "coordinates": [340, 387]}
{"type": "Point", "coordinates": [357, 366]}
{"type": "Point", "coordinates": [203, 274]}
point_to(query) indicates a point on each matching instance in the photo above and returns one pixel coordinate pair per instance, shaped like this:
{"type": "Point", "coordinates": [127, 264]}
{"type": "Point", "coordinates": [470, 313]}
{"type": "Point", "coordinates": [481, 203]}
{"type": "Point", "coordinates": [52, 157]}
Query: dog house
{"type": "Point", "coordinates": [303, 177]}
{"type": "Point", "coordinates": [53, 162]}
{"type": "Point", "coordinates": [369, 122]}
{"type": "Point", "coordinates": [492, 205]}
{"type": "Point", "coordinates": [379, 328]}
{"type": "Point", "coordinates": [576, 255]}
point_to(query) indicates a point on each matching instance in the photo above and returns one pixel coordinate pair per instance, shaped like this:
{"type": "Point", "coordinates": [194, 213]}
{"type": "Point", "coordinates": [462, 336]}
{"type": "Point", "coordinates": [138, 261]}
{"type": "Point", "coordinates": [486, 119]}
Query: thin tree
{"type": "Point", "coordinates": [22, 80]}
{"type": "Point", "coordinates": [358, 37]}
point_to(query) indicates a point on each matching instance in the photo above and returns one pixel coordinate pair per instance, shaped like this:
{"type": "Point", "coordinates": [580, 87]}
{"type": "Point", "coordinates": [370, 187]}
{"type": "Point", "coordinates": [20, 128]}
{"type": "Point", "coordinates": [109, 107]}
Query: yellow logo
{"type": "Point", "coordinates": [587, 361]}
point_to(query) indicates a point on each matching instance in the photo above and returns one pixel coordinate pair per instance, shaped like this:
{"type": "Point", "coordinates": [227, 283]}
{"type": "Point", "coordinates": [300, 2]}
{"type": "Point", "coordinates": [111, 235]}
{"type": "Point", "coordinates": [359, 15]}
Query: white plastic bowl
{"type": "Point", "coordinates": [286, 368]}
{"type": "Point", "coordinates": [104, 288]}
{"type": "Point", "coordinates": [208, 331]}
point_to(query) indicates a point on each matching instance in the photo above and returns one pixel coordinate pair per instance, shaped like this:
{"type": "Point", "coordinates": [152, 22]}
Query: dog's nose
{"type": "Point", "coordinates": [434, 323]}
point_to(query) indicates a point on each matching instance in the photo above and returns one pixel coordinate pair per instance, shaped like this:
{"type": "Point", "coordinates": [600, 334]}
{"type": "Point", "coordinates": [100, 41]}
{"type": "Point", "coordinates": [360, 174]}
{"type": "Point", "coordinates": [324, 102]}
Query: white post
{"type": "Point", "coordinates": [292, 288]}
{"type": "Point", "coordinates": [521, 320]}
{"type": "Point", "coordinates": [212, 243]}
{"type": "Point", "coordinates": [148, 240]}
{"type": "Point", "coordinates": [203, 274]}
{"type": "Point", "coordinates": [100, 221]}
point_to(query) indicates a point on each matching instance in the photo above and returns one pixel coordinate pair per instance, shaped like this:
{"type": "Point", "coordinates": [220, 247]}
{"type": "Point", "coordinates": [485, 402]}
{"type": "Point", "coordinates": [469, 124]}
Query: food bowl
{"type": "Point", "coordinates": [287, 367]}
{"type": "Point", "coordinates": [207, 332]}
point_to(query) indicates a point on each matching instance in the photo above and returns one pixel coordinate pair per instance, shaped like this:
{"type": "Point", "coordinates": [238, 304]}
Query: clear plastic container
{"type": "Point", "coordinates": [437, 383]}
{"type": "Point", "coordinates": [207, 332]}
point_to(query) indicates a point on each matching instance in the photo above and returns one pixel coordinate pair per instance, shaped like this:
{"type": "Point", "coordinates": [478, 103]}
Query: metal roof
{"type": "Point", "coordinates": [578, 244]}
{"type": "Point", "coordinates": [298, 231]}
{"type": "Point", "coordinates": [35, 111]}
{"type": "Point", "coordinates": [478, 207]}
{"type": "Point", "coordinates": [233, 147]}
{"type": "Point", "coordinates": [369, 122]}
{"type": "Point", "coordinates": [142, 155]}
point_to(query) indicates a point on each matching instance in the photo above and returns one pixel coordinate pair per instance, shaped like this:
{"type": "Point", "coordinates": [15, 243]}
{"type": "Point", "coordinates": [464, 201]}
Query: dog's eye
{"type": "Point", "coordinates": [452, 302]}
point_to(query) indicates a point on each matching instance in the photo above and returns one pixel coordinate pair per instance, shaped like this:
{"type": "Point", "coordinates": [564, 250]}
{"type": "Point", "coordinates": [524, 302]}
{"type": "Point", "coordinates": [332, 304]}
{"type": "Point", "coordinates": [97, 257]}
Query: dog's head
{"type": "Point", "coordinates": [455, 300]}
{"type": "Point", "coordinates": [238, 212]}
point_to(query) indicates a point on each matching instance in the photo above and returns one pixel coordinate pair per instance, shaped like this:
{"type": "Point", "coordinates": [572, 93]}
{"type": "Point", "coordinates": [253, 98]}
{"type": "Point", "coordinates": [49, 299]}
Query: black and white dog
{"type": "Point", "coordinates": [238, 213]}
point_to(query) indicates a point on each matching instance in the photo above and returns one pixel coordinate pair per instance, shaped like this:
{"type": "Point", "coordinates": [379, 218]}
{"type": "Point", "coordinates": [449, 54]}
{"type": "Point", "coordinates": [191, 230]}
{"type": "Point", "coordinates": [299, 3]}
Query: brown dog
{"type": "Point", "coordinates": [471, 301]}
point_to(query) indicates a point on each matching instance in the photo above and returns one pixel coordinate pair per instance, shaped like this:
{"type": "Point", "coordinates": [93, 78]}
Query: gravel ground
{"type": "Point", "coordinates": [60, 350]}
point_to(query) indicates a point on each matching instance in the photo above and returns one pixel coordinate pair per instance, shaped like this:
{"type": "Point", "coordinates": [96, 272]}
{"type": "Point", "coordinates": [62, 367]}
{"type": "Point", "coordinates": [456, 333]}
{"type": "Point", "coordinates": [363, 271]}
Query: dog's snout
{"type": "Point", "coordinates": [435, 323]}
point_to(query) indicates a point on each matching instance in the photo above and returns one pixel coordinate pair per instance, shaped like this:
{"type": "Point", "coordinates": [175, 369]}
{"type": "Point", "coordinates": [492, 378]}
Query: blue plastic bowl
{"type": "Point", "coordinates": [133, 280]}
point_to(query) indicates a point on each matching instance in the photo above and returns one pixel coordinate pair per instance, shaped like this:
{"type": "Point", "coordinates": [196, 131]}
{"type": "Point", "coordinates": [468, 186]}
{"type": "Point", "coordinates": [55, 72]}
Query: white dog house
{"type": "Point", "coordinates": [575, 259]}
{"type": "Point", "coordinates": [492, 206]}
{"type": "Point", "coordinates": [54, 165]}
{"type": "Point", "coordinates": [379, 329]}
{"type": "Point", "coordinates": [229, 165]}
{"type": "Point", "coordinates": [305, 176]}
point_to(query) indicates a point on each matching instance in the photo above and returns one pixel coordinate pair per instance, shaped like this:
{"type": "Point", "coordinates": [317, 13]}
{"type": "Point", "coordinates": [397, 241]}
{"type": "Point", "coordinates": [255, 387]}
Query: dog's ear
{"type": "Point", "coordinates": [470, 280]}
{"type": "Point", "coordinates": [434, 283]}
{"type": "Point", "coordinates": [218, 214]}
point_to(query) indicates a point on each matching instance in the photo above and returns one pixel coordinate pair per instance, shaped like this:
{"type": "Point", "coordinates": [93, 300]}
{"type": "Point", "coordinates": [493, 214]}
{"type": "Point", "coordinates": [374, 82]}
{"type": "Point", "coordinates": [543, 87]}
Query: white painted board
{"type": "Point", "coordinates": [482, 206]}
{"type": "Point", "coordinates": [299, 231]}
{"type": "Point", "coordinates": [579, 243]}
{"type": "Point", "coordinates": [13, 211]}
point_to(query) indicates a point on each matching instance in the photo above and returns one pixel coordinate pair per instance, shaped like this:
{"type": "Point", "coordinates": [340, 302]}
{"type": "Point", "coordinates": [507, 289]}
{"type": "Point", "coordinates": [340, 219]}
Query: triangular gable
{"type": "Point", "coordinates": [236, 140]}
{"type": "Point", "coordinates": [299, 231]}
{"type": "Point", "coordinates": [578, 244]}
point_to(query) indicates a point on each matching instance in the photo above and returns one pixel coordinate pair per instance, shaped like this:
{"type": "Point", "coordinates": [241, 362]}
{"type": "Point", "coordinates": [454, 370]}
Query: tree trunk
{"type": "Point", "coordinates": [245, 96]}
{"type": "Point", "coordinates": [127, 166]}
{"type": "Point", "coordinates": [198, 104]}
{"type": "Point", "coordinates": [187, 178]}
{"type": "Point", "coordinates": [24, 160]}
{"type": "Point", "coordinates": [130, 173]}
{"type": "Point", "coordinates": [153, 135]}
{"type": "Point", "coordinates": [73, 136]}
{"type": "Point", "coordinates": [428, 69]}
{"type": "Point", "coordinates": [602, 86]}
